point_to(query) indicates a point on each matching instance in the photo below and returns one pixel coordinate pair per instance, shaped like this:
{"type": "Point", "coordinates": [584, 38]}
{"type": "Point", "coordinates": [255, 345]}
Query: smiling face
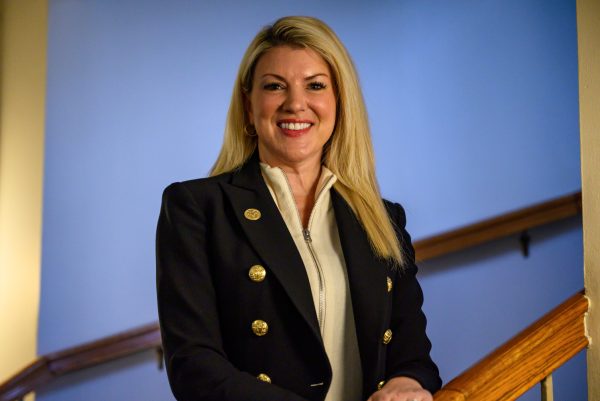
{"type": "Point", "coordinates": [292, 106]}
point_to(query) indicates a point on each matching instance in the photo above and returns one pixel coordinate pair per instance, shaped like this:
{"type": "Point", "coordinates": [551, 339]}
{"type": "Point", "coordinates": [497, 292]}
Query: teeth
{"type": "Point", "coordinates": [294, 126]}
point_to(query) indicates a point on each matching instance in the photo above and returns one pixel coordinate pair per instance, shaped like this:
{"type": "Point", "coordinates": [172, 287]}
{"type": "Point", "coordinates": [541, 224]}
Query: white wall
{"type": "Point", "coordinates": [588, 24]}
{"type": "Point", "coordinates": [22, 96]}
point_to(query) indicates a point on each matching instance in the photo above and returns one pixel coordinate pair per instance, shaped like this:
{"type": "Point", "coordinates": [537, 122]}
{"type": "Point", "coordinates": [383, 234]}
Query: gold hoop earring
{"type": "Point", "coordinates": [249, 130]}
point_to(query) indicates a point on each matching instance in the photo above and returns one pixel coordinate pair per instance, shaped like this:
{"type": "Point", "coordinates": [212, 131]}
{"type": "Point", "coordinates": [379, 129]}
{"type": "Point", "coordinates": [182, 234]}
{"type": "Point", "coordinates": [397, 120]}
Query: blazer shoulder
{"type": "Point", "coordinates": [396, 212]}
{"type": "Point", "coordinates": [398, 217]}
{"type": "Point", "coordinates": [197, 189]}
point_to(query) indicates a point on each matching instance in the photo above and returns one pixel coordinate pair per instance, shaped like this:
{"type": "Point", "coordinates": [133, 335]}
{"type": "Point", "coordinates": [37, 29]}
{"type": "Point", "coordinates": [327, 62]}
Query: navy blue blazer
{"type": "Point", "coordinates": [207, 302]}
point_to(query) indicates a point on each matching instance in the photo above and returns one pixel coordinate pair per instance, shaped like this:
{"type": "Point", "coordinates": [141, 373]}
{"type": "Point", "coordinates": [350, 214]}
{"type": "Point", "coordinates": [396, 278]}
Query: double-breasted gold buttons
{"type": "Point", "coordinates": [380, 385]}
{"type": "Point", "coordinates": [260, 327]}
{"type": "Point", "coordinates": [390, 285]}
{"type": "Point", "coordinates": [257, 273]}
{"type": "Point", "coordinates": [387, 336]}
{"type": "Point", "coordinates": [252, 214]}
{"type": "Point", "coordinates": [264, 378]}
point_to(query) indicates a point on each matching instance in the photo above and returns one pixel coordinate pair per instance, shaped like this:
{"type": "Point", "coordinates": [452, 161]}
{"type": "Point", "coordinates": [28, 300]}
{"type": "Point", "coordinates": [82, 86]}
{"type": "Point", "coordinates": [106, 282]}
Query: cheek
{"type": "Point", "coordinates": [326, 109]}
{"type": "Point", "coordinates": [264, 108]}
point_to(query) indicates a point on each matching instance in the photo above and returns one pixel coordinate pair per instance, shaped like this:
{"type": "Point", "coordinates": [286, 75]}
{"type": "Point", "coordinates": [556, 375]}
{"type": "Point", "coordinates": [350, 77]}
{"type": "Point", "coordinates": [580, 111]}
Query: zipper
{"type": "Point", "coordinates": [321, 315]}
{"type": "Point", "coordinates": [308, 241]}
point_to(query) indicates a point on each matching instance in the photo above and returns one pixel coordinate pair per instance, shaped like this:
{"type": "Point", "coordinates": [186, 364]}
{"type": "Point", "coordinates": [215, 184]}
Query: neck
{"type": "Point", "coordinates": [303, 179]}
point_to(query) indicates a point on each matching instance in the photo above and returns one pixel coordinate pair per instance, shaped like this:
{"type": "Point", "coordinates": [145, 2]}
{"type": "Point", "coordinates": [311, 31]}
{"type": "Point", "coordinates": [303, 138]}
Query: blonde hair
{"type": "Point", "coordinates": [348, 154]}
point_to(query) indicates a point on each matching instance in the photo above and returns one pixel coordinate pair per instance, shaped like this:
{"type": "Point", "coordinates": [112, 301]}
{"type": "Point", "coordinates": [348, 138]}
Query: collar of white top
{"type": "Point", "coordinates": [276, 177]}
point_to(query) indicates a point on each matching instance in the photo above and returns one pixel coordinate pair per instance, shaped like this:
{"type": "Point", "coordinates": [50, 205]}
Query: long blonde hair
{"type": "Point", "coordinates": [348, 154]}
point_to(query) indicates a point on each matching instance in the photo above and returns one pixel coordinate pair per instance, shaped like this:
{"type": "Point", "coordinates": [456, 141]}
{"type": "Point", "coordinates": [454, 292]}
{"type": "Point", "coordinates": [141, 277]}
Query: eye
{"type": "Point", "coordinates": [273, 86]}
{"type": "Point", "coordinates": [317, 85]}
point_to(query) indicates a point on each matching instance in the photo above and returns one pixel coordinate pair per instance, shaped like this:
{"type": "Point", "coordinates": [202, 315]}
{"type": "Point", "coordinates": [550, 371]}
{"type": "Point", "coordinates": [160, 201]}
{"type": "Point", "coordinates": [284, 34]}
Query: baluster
{"type": "Point", "coordinates": [547, 388]}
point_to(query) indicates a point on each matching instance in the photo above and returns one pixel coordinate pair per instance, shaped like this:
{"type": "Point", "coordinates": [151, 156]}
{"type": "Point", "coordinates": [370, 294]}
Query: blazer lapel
{"type": "Point", "coordinates": [368, 287]}
{"type": "Point", "coordinates": [270, 237]}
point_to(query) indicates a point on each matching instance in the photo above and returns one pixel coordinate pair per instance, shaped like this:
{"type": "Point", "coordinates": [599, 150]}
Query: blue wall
{"type": "Point", "coordinates": [474, 110]}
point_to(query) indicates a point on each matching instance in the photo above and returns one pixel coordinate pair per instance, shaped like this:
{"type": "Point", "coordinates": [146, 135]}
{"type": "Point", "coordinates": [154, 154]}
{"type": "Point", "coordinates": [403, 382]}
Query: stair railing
{"type": "Point", "coordinates": [527, 359]}
{"type": "Point", "coordinates": [48, 367]}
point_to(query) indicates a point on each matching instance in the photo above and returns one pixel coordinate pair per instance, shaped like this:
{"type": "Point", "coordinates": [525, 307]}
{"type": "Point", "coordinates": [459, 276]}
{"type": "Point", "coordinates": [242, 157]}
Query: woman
{"type": "Point", "coordinates": [284, 276]}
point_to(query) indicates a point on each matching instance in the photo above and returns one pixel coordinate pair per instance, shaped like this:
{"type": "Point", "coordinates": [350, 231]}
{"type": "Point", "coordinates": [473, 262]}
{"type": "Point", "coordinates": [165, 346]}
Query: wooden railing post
{"type": "Point", "coordinates": [547, 388]}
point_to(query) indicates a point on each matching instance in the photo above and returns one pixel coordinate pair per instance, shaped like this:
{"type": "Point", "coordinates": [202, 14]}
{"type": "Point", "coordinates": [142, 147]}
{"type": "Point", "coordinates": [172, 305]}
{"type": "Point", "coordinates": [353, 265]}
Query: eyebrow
{"type": "Point", "coordinates": [306, 79]}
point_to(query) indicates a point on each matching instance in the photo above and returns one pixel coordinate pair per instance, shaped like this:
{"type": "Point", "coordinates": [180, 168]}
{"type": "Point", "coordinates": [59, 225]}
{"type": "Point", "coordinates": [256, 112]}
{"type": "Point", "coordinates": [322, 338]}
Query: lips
{"type": "Point", "coordinates": [294, 127]}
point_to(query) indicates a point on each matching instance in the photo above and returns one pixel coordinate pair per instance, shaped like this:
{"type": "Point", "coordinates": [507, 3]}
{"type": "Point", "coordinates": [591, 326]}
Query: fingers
{"type": "Point", "coordinates": [401, 389]}
{"type": "Point", "coordinates": [414, 395]}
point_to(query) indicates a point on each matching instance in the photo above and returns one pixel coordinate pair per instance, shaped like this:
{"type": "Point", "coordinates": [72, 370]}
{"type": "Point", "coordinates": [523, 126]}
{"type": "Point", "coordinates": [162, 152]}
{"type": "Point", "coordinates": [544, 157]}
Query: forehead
{"type": "Point", "coordinates": [288, 61]}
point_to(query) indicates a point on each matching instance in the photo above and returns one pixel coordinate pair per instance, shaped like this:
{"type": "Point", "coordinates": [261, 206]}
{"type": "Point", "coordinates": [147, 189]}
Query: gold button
{"type": "Point", "coordinates": [260, 327]}
{"type": "Point", "coordinates": [389, 284]}
{"type": "Point", "coordinates": [252, 214]}
{"type": "Point", "coordinates": [387, 336]}
{"type": "Point", "coordinates": [380, 385]}
{"type": "Point", "coordinates": [264, 378]}
{"type": "Point", "coordinates": [257, 273]}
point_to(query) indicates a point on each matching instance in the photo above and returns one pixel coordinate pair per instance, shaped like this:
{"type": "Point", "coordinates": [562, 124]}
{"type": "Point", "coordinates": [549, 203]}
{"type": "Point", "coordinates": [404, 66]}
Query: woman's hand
{"type": "Point", "coordinates": [401, 389]}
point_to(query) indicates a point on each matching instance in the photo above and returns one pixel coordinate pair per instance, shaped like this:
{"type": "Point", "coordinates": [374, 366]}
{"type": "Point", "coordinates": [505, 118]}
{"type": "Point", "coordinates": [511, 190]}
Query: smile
{"type": "Point", "coordinates": [294, 126]}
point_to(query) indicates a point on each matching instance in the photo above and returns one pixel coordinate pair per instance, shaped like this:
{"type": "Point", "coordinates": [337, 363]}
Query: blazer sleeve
{"type": "Point", "coordinates": [409, 355]}
{"type": "Point", "coordinates": [196, 362]}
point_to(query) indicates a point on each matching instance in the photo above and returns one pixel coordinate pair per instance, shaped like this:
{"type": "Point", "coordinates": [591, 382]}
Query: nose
{"type": "Point", "coordinates": [295, 100]}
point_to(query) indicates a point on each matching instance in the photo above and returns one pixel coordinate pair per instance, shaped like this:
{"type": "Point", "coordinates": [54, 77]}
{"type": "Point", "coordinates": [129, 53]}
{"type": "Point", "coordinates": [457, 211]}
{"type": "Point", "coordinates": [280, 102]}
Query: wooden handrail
{"type": "Point", "coordinates": [147, 337]}
{"type": "Point", "coordinates": [499, 227]}
{"type": "Point", "coordinates": [526, 359]}
{"type": "Point", "coordinates": [50, 366]}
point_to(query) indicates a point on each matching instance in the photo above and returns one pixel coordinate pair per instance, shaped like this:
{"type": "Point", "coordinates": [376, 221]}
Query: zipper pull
{"type": "Point", "coordinates": [306, 233]}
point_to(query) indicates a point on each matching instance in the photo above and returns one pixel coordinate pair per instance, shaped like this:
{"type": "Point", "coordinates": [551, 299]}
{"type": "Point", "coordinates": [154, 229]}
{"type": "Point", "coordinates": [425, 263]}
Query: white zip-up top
{"type": "Point", "coordinates": [321, 251]}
